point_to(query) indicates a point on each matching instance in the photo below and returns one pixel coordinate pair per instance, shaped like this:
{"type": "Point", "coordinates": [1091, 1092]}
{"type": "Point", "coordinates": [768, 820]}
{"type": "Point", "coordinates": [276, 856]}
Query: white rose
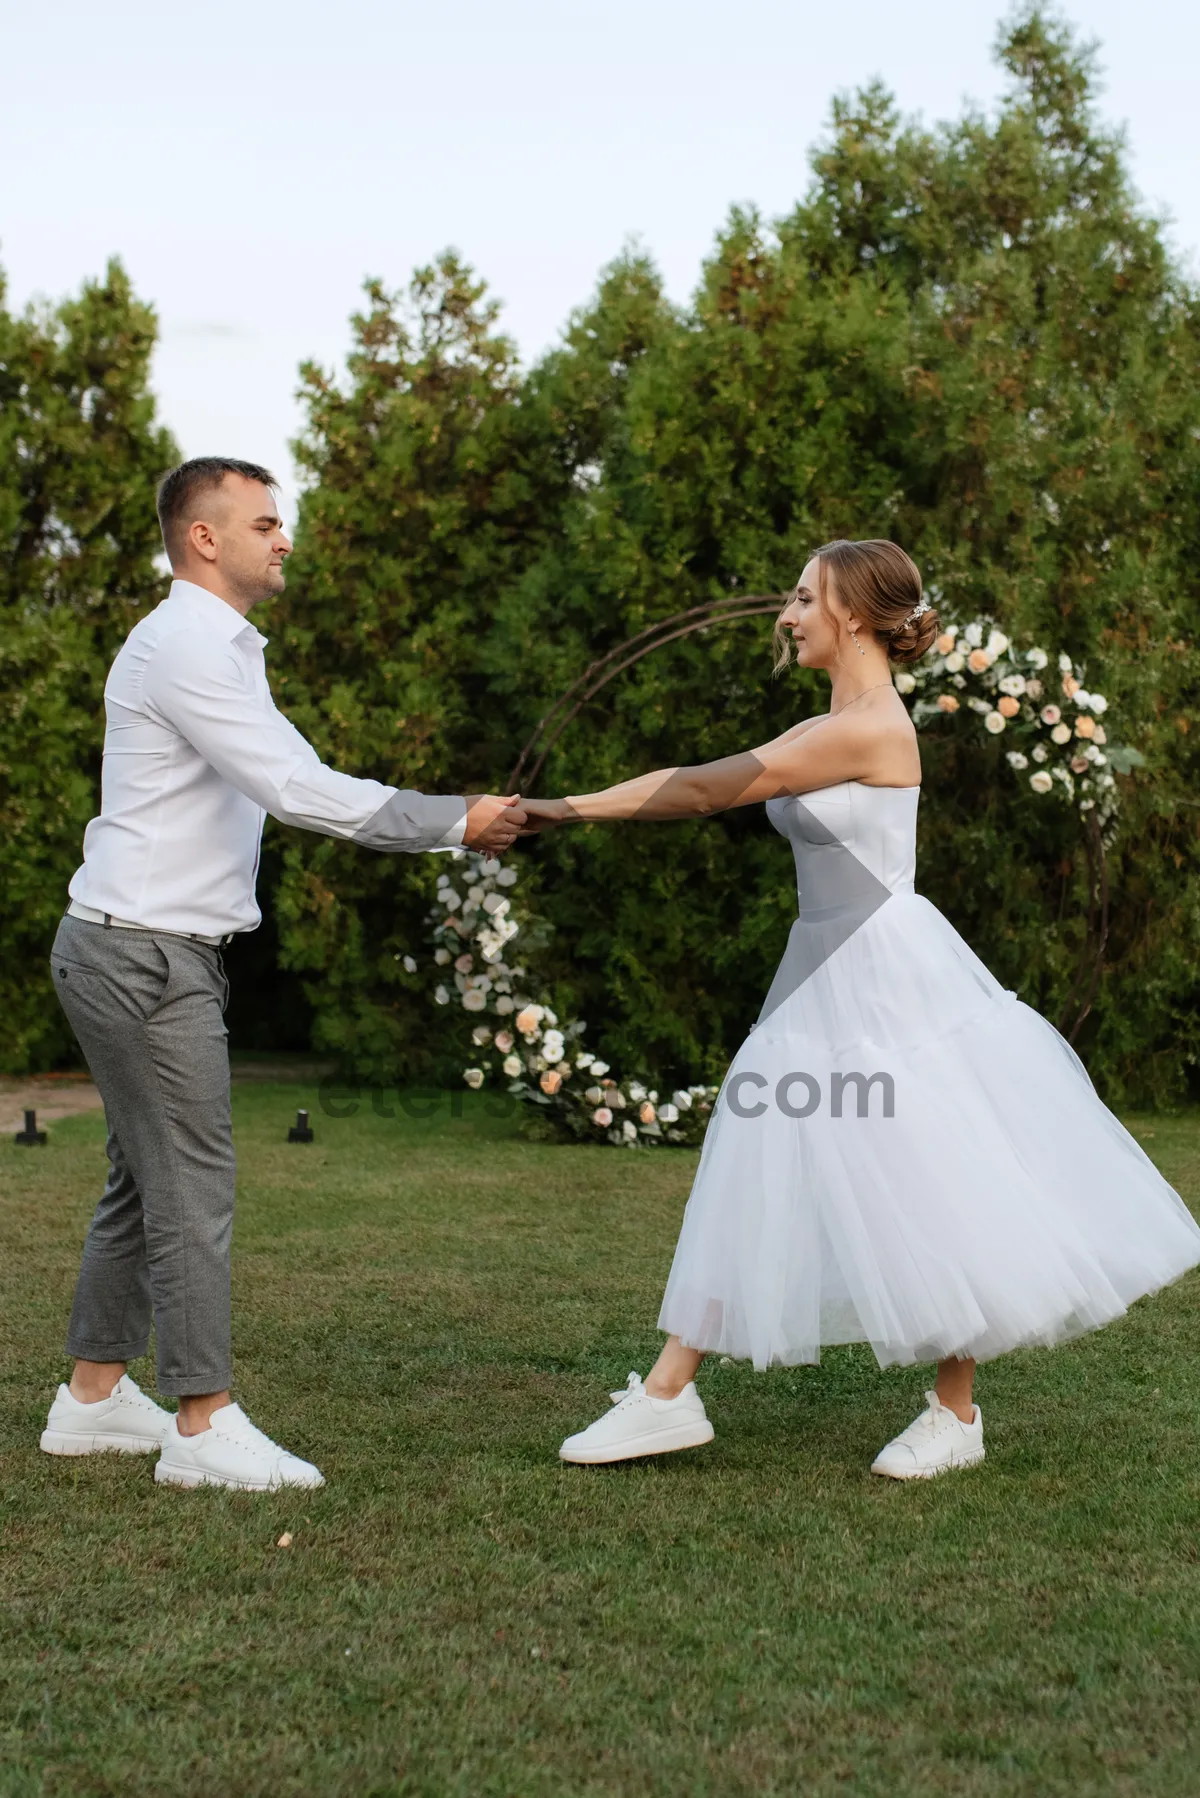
{"type": "Point", "coordinates": [1064, 664]}
{"type": "Point", "coordinates": [441, 956]}
{"type": "Point", "coordinates": [475, 895]}
{"type": "Point", "coordinates": [1016, 760]}
{"type": "Point", "coordinates": [954, 661]}
{"type": "Point", "coordinates": [441, 996]}
{"type": "Point", "coordinates": [474, 1000]}
{"type": "Point", "coordinates": [1041, 781]}
{"type": "Point", "coordinates": [997, 643]}
{"type": "Point", "coordinates": [473, 1076]}
{"type": "Point", "coordinates": [995, 722]}
{"type": "Point", "coordinates": [667, 1114]}
{"type": "Point", "coordinates": [496, 905]}
{"type": "Point", "coordinates": [513, 1066]}
{"type": "Point", "coordinates": [584, 1062]}
{"type": "Point", "coordinates": [490, 866]}
{"type": "Point", "coordinates": [1097, 702]}
{"type": "Point", "coordinates": [1061, 733]}
{"type": "Point", "coordinates": [1037, 658]}
{"type": "Point", "coordinates": [552, 1050]}
{"type": "Point", "coordinates": [905, 682]}
{"type": "Point", "coordinates": [1013, 684]}
{"type": "Point", "coordinates": [629, 1131]}
{"type": "Point", "coordinates": [450, 899]}
{"type": "Point", "coordinates": [504, 1005]}
{"type": "Point", "coordinates": [637, 1091]}
{"type": "Point", "coordinates": [481, 1034]}
{"type": "Point", "coordinates": [594, 1094]}
{"type": "Point", "coordinates": [974, 634]}
{"type": "Point", "coordinates": [683, 1099]}
{"type": "Point", "coordinates": [443, 880]}
{"type": "Point", "coordinates": [599, 1067]}
{"type": "Point", "coordinates": [410, 964]}
{"type": "Point", "coordinates": [507, 877]}
{"type": "Point", "coordinates": [1039, 752]}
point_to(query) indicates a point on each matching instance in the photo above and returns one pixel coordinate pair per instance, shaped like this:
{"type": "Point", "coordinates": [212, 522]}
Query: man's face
{"type": "Point", "coordinates": [245, 541]}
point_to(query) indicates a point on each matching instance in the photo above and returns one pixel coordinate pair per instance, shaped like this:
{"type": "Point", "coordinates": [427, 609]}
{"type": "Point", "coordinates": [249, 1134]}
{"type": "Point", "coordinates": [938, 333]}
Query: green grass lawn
{"type": "Point", "coordinates": [425, 1309]}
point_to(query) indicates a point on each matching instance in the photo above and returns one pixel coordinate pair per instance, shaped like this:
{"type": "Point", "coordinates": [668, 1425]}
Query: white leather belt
{"type": "Point", "coordinates": [90, 915]}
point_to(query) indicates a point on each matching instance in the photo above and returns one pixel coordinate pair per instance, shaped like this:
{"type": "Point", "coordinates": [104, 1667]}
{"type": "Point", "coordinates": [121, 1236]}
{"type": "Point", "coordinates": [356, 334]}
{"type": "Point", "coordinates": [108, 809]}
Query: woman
{"type": "Point", "coordinates": [902, 1151]}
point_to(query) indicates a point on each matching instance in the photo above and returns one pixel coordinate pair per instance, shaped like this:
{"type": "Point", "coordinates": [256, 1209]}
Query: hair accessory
{"type": "Point", "coordinates": [915, 613]}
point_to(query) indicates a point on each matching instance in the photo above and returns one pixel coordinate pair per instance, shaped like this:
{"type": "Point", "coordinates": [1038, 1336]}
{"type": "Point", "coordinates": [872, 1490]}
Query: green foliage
{"type": "Point", "coordinates": [80, 454]}
{"type": "Point", "coordinates": [968, 338]}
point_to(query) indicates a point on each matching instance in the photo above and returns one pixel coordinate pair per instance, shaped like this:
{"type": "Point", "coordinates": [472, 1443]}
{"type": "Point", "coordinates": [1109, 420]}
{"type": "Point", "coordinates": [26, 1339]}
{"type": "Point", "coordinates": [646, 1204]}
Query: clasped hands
{"type": "Point", "coordinates": [495, 823]}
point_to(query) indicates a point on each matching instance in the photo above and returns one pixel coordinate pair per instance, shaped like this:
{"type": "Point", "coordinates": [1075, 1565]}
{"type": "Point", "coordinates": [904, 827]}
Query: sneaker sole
{"type": "Point", "coordinates": [931, 1473]}
{"type": "Point", "coordinates": [191, 1478]}
{"type": "Point", "coordinates": [66, 1442]}
{"type": "Point", "coordinates": [661, 1442]}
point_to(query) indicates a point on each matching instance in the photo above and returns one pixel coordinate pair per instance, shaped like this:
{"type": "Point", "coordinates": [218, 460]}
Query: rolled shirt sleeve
{"type": "Point", "coordinates": [199, 687]}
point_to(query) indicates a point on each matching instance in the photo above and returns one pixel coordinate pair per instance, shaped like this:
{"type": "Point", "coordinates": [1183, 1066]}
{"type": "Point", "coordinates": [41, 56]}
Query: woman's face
{"type": "Point", "coordinates": [816, 633]}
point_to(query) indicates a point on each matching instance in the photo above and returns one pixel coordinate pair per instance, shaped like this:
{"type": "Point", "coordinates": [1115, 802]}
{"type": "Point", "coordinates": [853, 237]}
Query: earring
{"type": "Point", "coordinates": [858, 645]}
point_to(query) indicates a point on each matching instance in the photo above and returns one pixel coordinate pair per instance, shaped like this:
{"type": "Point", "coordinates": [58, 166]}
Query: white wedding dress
{"type": "Point", "coordinates": [999, 1204]}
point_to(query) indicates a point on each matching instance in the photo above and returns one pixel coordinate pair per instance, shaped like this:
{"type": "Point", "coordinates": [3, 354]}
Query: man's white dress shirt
{"type": "Point", "coordinates": [195, 756]}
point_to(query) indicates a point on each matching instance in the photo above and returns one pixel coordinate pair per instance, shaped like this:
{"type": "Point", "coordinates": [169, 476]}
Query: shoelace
{"type": "Point", "coordinates": [632, 1388]}
{"type": "Point", "coordinates": [929, 1421]}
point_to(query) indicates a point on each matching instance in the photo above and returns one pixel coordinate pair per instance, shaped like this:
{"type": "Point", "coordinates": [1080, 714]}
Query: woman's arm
{"type": "Point", "coordinates": [799, 761]}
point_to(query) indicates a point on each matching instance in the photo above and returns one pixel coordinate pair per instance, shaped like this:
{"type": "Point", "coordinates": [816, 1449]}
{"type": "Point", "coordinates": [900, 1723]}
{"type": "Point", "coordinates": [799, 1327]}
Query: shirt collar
{"type": "Point", "coordinates": [224, 618]}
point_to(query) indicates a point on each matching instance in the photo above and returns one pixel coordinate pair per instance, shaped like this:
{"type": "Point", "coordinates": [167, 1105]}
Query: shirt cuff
{"type": "Point", "coordinates": [453, 838]}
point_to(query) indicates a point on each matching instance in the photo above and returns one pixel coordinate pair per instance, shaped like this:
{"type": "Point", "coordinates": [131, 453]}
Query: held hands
{"type": "Point", "coordinates": [493, 823]}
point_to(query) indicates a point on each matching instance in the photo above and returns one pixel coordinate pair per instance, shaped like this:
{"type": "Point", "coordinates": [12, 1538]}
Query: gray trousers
{"type": "Point", "coordinates": [147, 1010]}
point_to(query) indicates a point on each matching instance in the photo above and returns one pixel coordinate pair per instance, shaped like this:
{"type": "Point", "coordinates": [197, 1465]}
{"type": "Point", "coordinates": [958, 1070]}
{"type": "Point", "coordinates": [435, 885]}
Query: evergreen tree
{"type": "Point", "coordinates": [969, 338]}
{"type": "Point", "coordinates": [80, 454]}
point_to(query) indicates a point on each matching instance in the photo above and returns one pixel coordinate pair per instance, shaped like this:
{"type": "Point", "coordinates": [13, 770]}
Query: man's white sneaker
{"type": "Point", "coordinates": [124, 1423]}
{"type": "Point", "coordinates": [231, 1452]}
{"type": "Point", "coordinates": [640, 1425]}
{"type": "Point", "coordinates": [933, 1443]}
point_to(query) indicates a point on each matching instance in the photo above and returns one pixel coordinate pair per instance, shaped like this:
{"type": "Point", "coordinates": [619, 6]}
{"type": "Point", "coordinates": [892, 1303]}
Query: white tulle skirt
{"type": "Point", "coordinates": [1001, 1204]}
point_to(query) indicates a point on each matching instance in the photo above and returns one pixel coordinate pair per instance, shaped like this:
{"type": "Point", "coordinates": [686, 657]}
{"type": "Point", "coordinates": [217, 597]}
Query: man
{"type": "Point", "coordinates": [195, 756]}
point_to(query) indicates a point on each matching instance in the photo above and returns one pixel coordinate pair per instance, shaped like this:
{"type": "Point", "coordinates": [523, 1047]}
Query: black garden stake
{"type": "Point", "coordinates": [31, 1137]}
{"type": "Point", "coordinates": [300, 1131]}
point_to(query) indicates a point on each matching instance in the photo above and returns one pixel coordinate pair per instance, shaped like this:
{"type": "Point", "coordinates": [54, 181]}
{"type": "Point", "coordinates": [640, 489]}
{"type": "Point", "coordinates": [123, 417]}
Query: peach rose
{"type": "Point", "coordinates": [1098, 734]}
{"type": "Point", "coordinates": [947, 702]}
{"type": "Point", "coordinates": [1069, 685]}
{"type": "Point", "coordinates": [526, 1021]}
{"type": "Point", "coordinates": [1079, 764]}
{"type": "Point", "coordinates": [550, 1081]}
{"type": "Point", "coordinates": [1008, 706]}
{"type": "Point", "coordinates": [646, 1113]}
{"type": "Point", "coordinates": [1085, 726]}
{"type": "Point", "coordinates": [978, 660]}
{"type": "Point", "coordinates": [602, 1116]}
{"type": "Point", "coordinates": [504, 1041]}
{"type": "Point", "coordinates": [944, 644]}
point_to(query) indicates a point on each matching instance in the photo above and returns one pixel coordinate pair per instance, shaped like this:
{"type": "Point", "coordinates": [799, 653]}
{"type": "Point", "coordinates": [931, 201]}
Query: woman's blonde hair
{"type": "Point", "coordinates": [879, 583]}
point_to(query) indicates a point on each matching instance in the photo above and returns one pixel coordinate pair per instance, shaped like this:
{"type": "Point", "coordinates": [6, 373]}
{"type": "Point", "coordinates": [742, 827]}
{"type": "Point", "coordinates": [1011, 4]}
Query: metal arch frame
{"type": "Point", "coordinates": [606, 667]}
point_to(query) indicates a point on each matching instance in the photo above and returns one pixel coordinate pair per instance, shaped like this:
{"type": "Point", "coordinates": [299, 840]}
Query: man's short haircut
{"type": "Point", "coordinates": [180, 490]}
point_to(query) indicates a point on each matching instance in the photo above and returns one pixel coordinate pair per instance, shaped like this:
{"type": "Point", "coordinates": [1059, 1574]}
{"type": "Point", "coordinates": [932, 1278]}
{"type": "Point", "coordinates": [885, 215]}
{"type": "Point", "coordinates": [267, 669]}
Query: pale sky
{"type": "Point", "coordinates": [251, 164]}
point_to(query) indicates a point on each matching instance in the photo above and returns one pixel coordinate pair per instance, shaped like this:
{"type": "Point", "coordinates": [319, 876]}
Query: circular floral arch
{"type": "Point", "coordinates": [973, 672]}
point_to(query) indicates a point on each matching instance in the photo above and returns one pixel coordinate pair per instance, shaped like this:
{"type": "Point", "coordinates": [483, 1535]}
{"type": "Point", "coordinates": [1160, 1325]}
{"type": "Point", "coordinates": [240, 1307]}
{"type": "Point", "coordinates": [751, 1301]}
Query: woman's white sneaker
{"type": "Point", "coordinates": [933, 1443]}
{"type": "Point", "coordinates": [640, 1425]}
{"type": "Point", "coordinates": [124, 1423]}
{"type": "Point", "coordinates": [231, 1452]}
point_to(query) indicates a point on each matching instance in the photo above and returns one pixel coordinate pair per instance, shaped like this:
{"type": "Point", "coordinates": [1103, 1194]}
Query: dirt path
{"type": "Point", "coordinates": [65, 1095]}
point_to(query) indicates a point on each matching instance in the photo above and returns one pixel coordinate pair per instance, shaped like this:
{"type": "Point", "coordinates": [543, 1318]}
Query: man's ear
{"type": "Point", "coordinates": [201, 540]}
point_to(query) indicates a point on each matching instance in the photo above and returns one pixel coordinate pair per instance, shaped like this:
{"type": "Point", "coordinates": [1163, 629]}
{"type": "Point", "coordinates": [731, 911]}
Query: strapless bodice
{"type": "Point", "coordinates": [849, 841]}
